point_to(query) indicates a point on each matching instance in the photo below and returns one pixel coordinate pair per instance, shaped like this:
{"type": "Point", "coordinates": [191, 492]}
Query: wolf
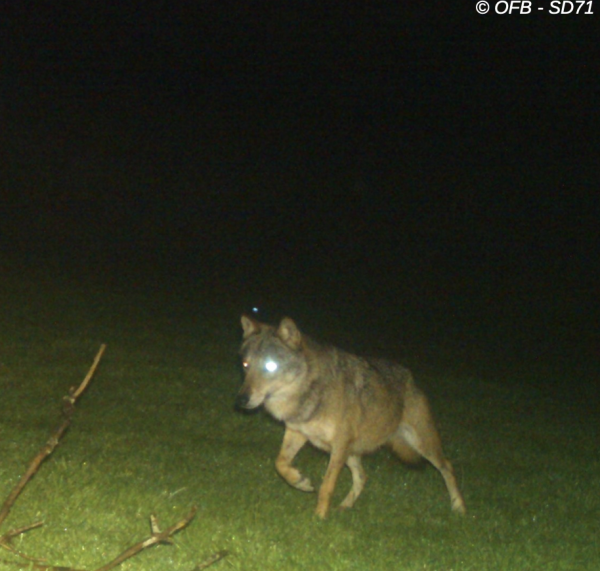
{"type": "Point", "coordinates": [341, 403]}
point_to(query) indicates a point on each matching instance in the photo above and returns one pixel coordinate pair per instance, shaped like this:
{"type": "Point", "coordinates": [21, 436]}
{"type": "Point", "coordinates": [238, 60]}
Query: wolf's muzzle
{"type": "Point", "coordinates": [242, 401]}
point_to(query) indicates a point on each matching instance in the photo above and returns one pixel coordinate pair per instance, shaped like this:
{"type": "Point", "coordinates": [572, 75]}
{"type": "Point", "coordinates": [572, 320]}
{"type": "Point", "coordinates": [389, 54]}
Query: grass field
{"type": "Point", "coordinates": [156, 432]}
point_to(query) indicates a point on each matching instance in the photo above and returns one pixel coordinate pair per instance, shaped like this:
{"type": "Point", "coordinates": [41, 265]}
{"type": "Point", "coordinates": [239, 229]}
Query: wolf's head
{"type": "Point", "coordinates": [274, 365]}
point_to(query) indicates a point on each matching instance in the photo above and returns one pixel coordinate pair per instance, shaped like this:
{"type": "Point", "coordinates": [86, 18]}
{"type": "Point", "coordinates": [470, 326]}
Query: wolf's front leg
{"type": "Point", "coordinates": [337, 460]}
{"type": "Point", "coordinates": [292, 442]}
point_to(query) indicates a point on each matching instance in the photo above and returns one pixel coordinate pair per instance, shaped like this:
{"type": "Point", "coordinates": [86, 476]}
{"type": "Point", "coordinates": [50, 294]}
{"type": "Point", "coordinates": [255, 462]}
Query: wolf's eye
{"type": "Point", "coordinates": [271, 366]}
{"type": "Point", "coordinates": [245, 364]}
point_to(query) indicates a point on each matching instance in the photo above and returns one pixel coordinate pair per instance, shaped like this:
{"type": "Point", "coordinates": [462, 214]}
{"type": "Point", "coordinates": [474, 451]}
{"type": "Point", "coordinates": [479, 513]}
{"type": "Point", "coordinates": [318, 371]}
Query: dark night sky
{"type": "Point", "coordinates": [431, 155]}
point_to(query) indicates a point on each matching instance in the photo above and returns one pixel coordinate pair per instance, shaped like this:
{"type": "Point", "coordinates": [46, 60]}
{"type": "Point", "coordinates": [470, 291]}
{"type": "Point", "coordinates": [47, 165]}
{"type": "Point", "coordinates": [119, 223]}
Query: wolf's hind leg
{"type": "Point", "coordinates": [444, 466]}
{"type": "Point", "coordinates": [293, 441]}
{"type": "Point", "coordinates": [419, 432]}
{"type": "Point", "coordinates": [358, 481]}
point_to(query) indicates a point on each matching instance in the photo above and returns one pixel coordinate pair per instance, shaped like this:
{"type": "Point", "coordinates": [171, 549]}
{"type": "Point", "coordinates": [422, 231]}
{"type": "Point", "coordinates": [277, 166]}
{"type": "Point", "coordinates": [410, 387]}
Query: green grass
{"type": "Point", "coordinates": [156, 433]}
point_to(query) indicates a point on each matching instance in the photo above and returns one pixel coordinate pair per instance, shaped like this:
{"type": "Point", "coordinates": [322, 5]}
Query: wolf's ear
{"type": "Point", "coordinates": [250, 326]}
{"type": "Point", "coordinates": [289, 333]}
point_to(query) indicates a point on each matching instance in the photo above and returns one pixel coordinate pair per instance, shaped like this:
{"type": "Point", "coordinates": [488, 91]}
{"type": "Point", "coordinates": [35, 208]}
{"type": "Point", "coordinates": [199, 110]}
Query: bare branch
{"type": "Point", "coordinates": [5, 540]}
{"type": "Point", "coordinates": [14, 532]}
{"type": "Point", "coordinates": [49, 447]}
{"type": "Point", "coordinates": [38, 564]}
{"type": "Point", "coordinates": [39, 567]}
{"type": "Point", "coordinates": [88, 377]}
{"type": "Point", "coordinates": [156, 537]}
{"type": "Point", "coordinates": [211, 560]}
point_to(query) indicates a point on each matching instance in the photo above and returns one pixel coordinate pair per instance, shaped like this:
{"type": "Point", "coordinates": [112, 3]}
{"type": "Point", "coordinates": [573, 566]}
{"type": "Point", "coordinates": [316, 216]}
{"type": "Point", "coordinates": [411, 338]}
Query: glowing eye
{"type": "Point", "coordinates": [245, 364]}
{"type": "Point", "coordinates": [271, 366]}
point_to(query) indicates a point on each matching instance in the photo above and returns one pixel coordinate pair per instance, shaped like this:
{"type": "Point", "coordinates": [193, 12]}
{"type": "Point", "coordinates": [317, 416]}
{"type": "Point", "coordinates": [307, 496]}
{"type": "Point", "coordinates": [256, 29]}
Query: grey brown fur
{"type": "Point", "coordinates": [341, 403]}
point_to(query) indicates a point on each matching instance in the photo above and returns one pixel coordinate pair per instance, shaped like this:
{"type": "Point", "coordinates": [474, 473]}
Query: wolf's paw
{"type": "Point", "coordinates": [347, 503]}
{"type": "Point", "coordinates": [322, 511]}
{"type": "Point", "coordinates": [458, 506]}
{"type": "Point", "coordinates": [304, 485]}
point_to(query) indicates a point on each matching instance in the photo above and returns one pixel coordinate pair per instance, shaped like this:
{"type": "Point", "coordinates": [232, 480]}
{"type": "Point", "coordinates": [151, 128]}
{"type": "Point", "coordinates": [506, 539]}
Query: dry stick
{"type": "Point", "coordinates": [88, 377]}
{"type": "Point", "coordinates": [7, 538]}
{"type": "Point", "coordinates": [157, 535]}
{"type": "Point", "coordinates": [39, 567]}
{"type": "Point", "coordinates": [49, 447]}
{"type": "Point", "coordinates": [212, 559]}
{"type": "Point", "coordinates": [163, 536]}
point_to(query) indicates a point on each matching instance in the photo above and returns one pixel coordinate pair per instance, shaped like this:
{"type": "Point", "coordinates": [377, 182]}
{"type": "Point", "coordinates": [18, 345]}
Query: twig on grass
{"type": "Point", "coordinates": [74, 395]}
{"type": "Point", "coordinates": [212, 559]}
{"type": "Point", "coordinates": [157, 536]}
{"type": "Point", "coordinates": [48, 448]}
{"type": "Point", "coordinates": [6, 539]}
